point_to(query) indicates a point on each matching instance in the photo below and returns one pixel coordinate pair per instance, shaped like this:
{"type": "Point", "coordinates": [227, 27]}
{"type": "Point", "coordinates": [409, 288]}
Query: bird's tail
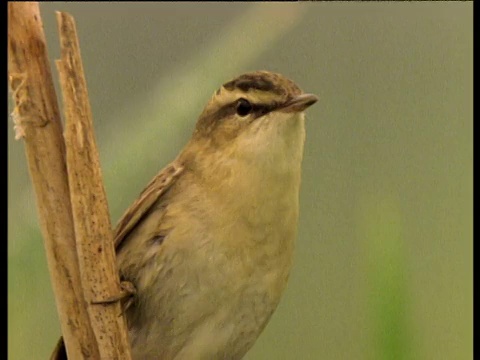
{"type": "Point", "coordinates": [59, 353]}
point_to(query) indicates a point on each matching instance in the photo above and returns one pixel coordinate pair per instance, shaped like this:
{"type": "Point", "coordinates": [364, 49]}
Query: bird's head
{"type": "Point", "coordinates": [258, 118]}
{"type": "Point", "coordinates": [251, 103]}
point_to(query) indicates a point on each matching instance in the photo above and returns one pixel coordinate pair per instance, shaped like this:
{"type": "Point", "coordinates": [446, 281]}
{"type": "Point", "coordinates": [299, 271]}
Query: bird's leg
{"type": "Point", "coordinates": [126, 296]}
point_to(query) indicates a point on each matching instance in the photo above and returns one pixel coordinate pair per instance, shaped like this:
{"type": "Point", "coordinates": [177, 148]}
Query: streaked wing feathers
{"type": "Point", "coordinates": [158, 186]}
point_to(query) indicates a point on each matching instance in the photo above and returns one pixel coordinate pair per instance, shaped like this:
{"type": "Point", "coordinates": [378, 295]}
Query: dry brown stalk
{"type": "Point", "coordinates": [74, 219]}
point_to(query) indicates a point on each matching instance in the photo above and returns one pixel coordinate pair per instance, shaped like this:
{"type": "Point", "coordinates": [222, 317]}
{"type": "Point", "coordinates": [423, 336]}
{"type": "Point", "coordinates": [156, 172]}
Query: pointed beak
{"type": "Point", "coordinates": [299, 103]}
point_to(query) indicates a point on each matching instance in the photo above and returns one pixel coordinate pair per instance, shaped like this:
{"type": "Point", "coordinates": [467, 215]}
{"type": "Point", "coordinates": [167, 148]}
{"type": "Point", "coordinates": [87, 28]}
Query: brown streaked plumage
{"type": "Point", "coordinates": [159, 184]}
{"type": "Point", "coordinates": [208, 244]}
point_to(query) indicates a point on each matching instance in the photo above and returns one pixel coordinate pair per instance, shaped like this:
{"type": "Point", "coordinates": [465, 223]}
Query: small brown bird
{"type": "Point", "coordinates": [208, 244]}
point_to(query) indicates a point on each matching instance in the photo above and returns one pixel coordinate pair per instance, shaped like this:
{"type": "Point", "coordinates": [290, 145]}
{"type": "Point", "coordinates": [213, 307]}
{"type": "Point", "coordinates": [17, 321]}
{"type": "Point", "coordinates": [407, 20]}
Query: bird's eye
{"type": "Point", "coordinates": [243, 107]}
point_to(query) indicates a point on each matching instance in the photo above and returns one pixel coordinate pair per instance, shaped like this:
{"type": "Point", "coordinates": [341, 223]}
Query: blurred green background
{"type": "Point", "coordinates": [384, 259]}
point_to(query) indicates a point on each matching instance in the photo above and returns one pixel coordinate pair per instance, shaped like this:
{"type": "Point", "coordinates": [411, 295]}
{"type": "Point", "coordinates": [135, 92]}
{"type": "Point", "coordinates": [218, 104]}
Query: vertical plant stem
{"type": "Point", "coordinates": [93, 230]}
{"type": "Point", "coordinates": [37, 121]}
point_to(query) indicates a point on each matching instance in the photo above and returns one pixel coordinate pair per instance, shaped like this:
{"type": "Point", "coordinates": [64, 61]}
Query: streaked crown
{"type": "Point", "coordinates": [276, 85]}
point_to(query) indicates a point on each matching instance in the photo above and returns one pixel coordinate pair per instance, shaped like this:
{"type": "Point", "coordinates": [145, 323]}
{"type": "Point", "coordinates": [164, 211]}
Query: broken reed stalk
{"type": "Point", "coordinates": [37, 121]}
{"type": "Point", "coordinates": [89, 331]}
{"type": "Point", "coordinates": [93, 231]}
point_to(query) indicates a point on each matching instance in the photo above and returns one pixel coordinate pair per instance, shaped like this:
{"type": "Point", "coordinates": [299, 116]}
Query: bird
{"type": "Point", "coordinates": [208, 245]}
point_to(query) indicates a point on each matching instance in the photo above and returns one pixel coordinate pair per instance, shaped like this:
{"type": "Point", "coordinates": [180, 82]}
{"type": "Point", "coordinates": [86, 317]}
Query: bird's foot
{"type": "Point", "coordinates": [126, 296]}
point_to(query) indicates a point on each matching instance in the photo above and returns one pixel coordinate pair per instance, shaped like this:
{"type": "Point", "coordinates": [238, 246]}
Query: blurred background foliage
{"type": "Point", "coordinates": [384, 263]}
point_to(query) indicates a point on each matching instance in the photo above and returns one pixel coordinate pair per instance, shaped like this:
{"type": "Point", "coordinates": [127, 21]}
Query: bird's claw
{"type": "Point", "coordinates": [126, 296]}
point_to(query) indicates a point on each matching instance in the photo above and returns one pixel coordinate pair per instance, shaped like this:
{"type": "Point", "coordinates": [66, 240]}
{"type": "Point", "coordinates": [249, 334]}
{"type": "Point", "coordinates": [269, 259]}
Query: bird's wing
{"type": "Point", "coordinates": [158, 186]}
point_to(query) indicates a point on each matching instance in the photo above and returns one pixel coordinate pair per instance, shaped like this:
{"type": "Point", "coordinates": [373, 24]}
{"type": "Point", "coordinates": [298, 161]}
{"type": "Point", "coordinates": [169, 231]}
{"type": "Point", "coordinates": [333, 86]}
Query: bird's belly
{"type": "Point", "coordinates": [217, 306]}
{"type": "Point", "coordinates": [237, 315]}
